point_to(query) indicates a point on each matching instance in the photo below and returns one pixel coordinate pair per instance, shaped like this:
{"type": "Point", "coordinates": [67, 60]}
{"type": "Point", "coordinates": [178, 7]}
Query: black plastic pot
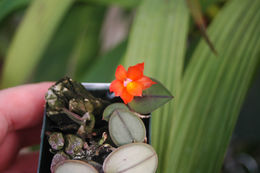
{"type": "Point", "coordinates": [100, 90]}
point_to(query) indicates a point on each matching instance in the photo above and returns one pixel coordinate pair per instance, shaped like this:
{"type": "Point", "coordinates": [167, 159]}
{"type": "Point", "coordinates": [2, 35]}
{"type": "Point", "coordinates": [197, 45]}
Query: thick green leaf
{"type": "Point", "coordinates": [125, 127]}
{"type": "Point", "coordinates": [103, 69]}
{"type": "Point", "coordinates": [87, 45]}
{"type": "Point", "coordinates": [158, 38]}
{"type": "Point", "coordinates": [136, 157]}
{"type": "Point", "coordinates": [74, 45]}
{"type": "Point", "coordinates": [213, 90]}
{"type": "Point", "coordinates": [7, 6]}
{"type": "Point", "coordinates": [31, 39]}
{"type": "Point", "coordinates": [111, 108]}
{"type": "Point", "coordinates": [154, 97]}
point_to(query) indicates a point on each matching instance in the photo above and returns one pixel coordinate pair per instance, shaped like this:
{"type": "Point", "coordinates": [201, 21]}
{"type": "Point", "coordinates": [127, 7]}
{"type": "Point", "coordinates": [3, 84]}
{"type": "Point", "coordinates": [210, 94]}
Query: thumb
{"type": "Point", "coordinates": [25, 163]}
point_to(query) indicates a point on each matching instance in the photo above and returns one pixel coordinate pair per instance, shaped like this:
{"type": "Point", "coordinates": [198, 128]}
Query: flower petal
{"type": "Point", "coordinates": [126, 97]}
{"type": "Point", "coordinates": [121, 73]}
{"type": "Point", "coordinates": [117, 87]}
{"type": "Point", "coordinates": [146, 82]}
{"type": "Point", "coordinates": [135, 72]}
{"type": "Point", "coordinates": [134, 88]}
{"type": "Point", "coordinates": [140, 66]}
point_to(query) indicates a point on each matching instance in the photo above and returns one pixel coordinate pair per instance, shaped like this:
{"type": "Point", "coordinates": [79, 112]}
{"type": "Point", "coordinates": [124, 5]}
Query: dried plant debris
{"type": "Point", "coordinates": [84, 132]}
{"type": "Point", "coordinates": [70, 105]}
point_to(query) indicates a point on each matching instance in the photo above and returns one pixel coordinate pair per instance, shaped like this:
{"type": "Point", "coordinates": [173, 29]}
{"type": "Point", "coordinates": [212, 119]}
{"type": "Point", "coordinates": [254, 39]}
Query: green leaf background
{"type": "Point", "coordinates": [190, 133]}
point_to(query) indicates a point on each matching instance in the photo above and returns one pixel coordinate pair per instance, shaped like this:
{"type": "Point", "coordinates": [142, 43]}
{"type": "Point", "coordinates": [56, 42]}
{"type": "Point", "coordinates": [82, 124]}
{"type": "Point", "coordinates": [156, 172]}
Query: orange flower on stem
{"type": "Point", "coordinates": [130, 83]}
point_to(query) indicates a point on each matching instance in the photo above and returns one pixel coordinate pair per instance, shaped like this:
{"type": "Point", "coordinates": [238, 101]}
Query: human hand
{"type": "Point", "coordinates": [21, 110]}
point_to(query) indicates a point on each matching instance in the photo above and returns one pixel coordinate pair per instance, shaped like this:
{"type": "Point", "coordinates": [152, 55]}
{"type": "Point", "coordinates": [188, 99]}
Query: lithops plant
{"type": "Point", "coordinates": [75, 166]}
{"type": "Point", "coordinates": [56, 140]}
{"type": "Point", "coordinates": [89, 134]}
{"type": "Point", "coordinates": [58, 158]}
{"type": "Point", "coordinates": [135, 158]}
{"type": "Point", "coordinates": [111, 108]}
{"type": "Point", "coordinates": [125, 127]}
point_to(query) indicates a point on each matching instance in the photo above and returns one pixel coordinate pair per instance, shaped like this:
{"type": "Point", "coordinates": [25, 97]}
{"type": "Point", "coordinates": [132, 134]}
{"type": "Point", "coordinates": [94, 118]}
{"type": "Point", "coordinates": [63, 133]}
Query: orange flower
{"type": "Point", "coordinates": [130, 83]}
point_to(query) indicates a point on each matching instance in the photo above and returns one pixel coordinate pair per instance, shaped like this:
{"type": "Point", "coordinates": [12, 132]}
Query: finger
{"type": "Point", "coordinates": [25, 163]}
{"type": "Point", "coordinates": [9, 149]}
{"type": "Point", "coordinates": [30, 136]}
{"type": "Point", "coordinates": [14, 141]}
{"type": "Point", "coordinates": [22, 107]}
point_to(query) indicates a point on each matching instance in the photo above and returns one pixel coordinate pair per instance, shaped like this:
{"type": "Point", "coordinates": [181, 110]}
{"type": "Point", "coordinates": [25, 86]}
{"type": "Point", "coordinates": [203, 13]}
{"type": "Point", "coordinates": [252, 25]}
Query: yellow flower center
{"type": "Point", "coordinates": [127, 81]}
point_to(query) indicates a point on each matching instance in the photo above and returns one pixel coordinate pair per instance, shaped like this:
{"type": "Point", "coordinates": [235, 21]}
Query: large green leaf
{"type": "Point", "coordinates": [158, 38]}
{"type": "Point", "coordinates": [87, 46]}
{"type": "Point", "coordinates": [31, 39]}
{"type": "Point", "coordinates": [103, 69]}
{"type": "Point", "coordinates": [207, 3]}
{"type": "Point", "coordinates": [121, 3]}
{"type": "Point", "coordinates": [213, 90]}
{"type": "Point", "coordinates": [7, 6]}
{"type": "Point", "coordinates": [74, 44]}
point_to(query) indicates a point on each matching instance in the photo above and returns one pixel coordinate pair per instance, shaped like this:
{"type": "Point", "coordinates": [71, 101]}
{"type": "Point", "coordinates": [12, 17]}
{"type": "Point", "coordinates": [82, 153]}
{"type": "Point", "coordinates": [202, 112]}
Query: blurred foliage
{"type": "Point", "coordinates": [35, 31]}
{"type": "Point", "coordinates": [8, 7]}
{"type": "Point", "coordinates": [47, 39]}
{"type": "Point", "coordinates": [74, 45]}
{"type": "Point", "coordinates": [101, 71]}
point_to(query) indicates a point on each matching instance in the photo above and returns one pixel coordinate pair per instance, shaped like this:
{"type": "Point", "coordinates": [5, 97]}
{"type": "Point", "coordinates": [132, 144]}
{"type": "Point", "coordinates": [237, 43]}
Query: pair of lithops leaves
{"type": "Point", "coordinates": [130, 158]}
{"type": "Point", "coordinates": [124, 126]}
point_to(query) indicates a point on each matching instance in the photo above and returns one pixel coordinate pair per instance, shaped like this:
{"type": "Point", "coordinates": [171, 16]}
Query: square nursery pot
{"type": "Point", "coordinates": [100, 90]}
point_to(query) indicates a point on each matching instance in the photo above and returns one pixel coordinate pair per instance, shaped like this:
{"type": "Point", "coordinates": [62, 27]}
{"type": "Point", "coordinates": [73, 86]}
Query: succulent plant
{"type": "Point", "coordinates": [88, 134]}
{"type": "Point", "coordinates": [56, 140]}
{"type": "Point", "coordinates": [74, 147]}
{"type": "Point", "coordinates": [135, 157]}
{"type": "Point", "coordinates": [111, 108]}
{"type": "Point", "coordinates": [125, 127]}
{"type": "Point", "coordinates": [75, 166]}
{"type": "Point", "coordinates": [58, 158]}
